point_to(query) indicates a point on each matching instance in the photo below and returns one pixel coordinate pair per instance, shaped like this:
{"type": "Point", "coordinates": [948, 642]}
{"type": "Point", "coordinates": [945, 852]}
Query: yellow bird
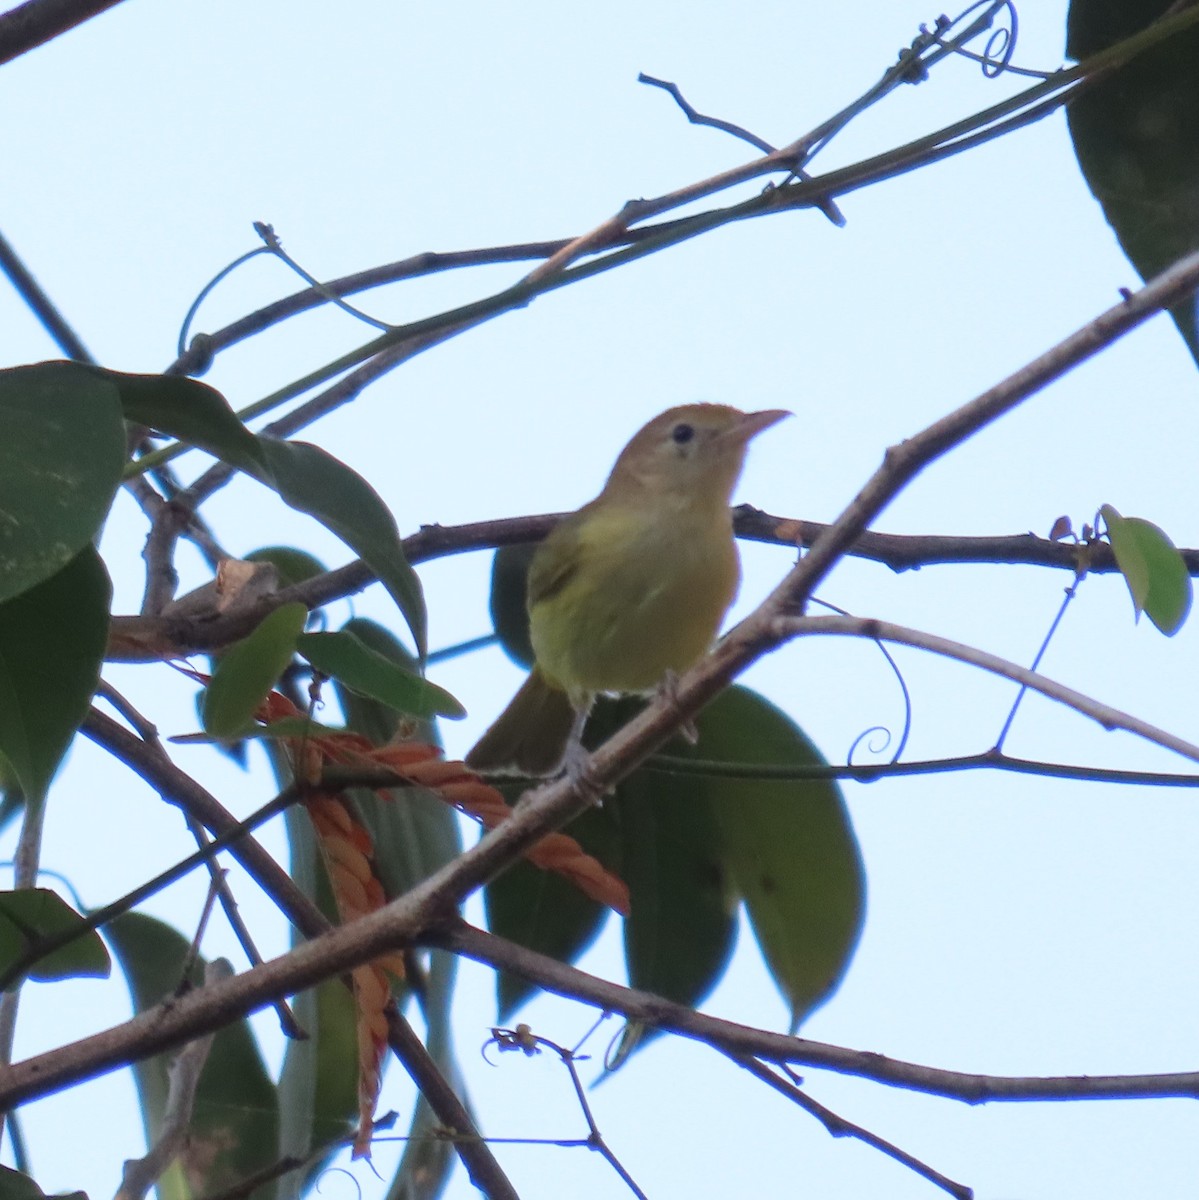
{"type": "Point", "coordinates": [631, 589]}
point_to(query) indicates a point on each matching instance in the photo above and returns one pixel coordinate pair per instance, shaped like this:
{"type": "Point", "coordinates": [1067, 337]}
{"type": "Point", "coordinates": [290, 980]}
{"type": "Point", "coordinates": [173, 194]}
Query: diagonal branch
{"type": "Point", "coordinates": [39, 21]}
{"type": "Point", "coordinates": [735, 1039]}
{"type": "Point", "coordinates": [553, 805]}
{"type": "Point", "coordinates": [176, 786]}
{"type": "Point", "coordinates": [867, 627]}
{"type": "Point", "coordinates": [838, 1126]}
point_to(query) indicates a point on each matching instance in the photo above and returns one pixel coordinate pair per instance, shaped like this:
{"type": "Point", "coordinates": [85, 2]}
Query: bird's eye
{"type": "Point", "coordinates": [682, 433]}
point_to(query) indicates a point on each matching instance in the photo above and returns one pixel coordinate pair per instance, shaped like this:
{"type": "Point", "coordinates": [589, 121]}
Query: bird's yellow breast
{"type": "Point", "coordinates": [627, 596]}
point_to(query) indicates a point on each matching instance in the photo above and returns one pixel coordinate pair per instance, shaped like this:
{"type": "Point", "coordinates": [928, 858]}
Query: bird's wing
{"type": "Point", "coordinates": [556, 562]}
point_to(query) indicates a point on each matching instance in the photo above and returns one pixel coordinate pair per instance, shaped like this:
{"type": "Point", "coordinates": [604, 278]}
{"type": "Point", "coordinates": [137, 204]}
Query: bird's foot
{"type": "Point", "coordinates": [576, 766]}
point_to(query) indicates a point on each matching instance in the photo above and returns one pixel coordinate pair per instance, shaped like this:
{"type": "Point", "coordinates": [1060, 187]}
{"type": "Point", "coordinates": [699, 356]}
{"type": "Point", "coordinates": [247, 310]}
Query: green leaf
{"type": "Point", "coordinates": [188, 410]}
{"type": "Point", "coordinates": [249, 670]}
{"type": "Point", "coordinates": [52, 642]}
{"type": "Point", "coordinates": [682, 924]}
{"type": "Point", "coordinates": [15, 1186]}
{"type": "Point", "coordinates": [347, 658]}
{"type": "Point", "coordinates": [30, 914]}
{"type": "Point", "coordinates": [318, 1086]}
{"type": "Point", "coordinates": [234, 1130]}
{"type": "Point", "coordinates": [1152, 567]}
{"type": "Point", "coordinates": [509, 607]}
{"type": "Point", "coordinates": [284, 727]}
{"type": "Point", "coordinates": [682, 921]}
{"type": "Point", "coordinates": [306, 477]}
{"type": "Point", "coordinates": [789, 847]}
{"type": "Point", "coordinates": [1135, 133]}
{"type": "Point", "coordinates": [314, 482]}
{"type": "Point", "coordinates": [414, 834]}
{"type": "Point", "coordinates": [62, 448]}
{"type": "Point", "coordinates": [292, 566]}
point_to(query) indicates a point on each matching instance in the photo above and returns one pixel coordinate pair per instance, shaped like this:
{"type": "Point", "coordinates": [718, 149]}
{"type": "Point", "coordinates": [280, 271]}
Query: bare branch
{"type": "Point", "coordinates": [553, 805]}
{"type": "Point", "coordinates": [838, 1126]}
{"type": "Point", "coordinates": [38, 21]}
{"type": "Point", "coordinates": [988, 760]}
{"type": "Point", "coordinates": [179, 788]}
{"type": "Point", "coordinates": [144, 639]}
{"type": "Point", "coordinates": [736, 1039]}
{"type": "Point", "coordinates": [28, 288]}
{"type": "Point", "coordinates": [199, 354]}
{"type": "Point", "coordinates": [1110, 718]}
{"type": "Point", "coordinates": [140, 1175]}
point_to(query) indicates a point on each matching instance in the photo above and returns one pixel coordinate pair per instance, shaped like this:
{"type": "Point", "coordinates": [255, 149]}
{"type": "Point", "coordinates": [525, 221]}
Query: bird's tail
{"type": "Point", "coordinates": [530, 736]}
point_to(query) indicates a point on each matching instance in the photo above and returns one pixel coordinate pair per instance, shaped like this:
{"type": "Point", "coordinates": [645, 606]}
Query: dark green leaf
{"type": "Point", "coordinates": [292, 566]}
{"type": "Point", "coordinates": [346, 658]}
{"type": "Point", "coordinates": [318, 1087]}
{"type": "Point", "coordinates": [30, 914]}
{"type": "Point", "coordinates": [1135, 133]}
{"type": "Point", "coordinates": [249, 670]}
{"type": "Point", "coordinates": [188, 410]}
{"type": "Point", "coordinates": [62, 449]}
{"type": "Point", "coordinates": [1155, 572]}
{"type": "Point", "coordinates": [789, 846]}
{"type": "Point", "coordinates": [285, 727]}
{"type": "Point", "coordinates": [234, 1129]}
{"type": "Point", "coordinates": [414, 832]}
{"type": "Point", "coordinates": [509, 609]}
{"type": "Point", "coordinates": [15, 1186]}
{"type": "Point", "coordinates": [682, 923]}
{"type": "Point", "coordinates": [314, 482]}
{"type": "Point", "coordinates": [12, 799]}
{"type": "Point", "coordinates": [52, 641]}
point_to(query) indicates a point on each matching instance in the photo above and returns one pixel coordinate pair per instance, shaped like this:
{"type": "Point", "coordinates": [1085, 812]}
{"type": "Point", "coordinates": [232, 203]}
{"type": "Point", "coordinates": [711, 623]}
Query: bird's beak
{"type": "Point", "coordinates": [751, 424]}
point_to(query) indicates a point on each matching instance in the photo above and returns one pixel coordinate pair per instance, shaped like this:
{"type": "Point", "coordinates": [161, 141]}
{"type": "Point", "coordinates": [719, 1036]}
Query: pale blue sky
{"type": "Point", "coordinates": [1014, 925]}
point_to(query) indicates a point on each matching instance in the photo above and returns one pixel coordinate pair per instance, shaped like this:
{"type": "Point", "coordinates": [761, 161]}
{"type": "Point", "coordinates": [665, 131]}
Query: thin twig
{"type": "Point", "coordinates": [828, 207]}
{"type": "Point", "coordinates": [988, 760]}
{"type": "Point", "coordinates": [140, 1175]}
{"type": "Point", "coordinates": [193, 951]}
{"type": "Point", "coordinates": [289, 1163]}
{"type": "Point", "coordinates": [838, 1126]}
{"type": "Point", "coordinates": [149, 734]}
{"type": "Point", "coordinates": [28, 288]}
{"type": "Point", "coordinates": [1054, 625]}
{"type": "Point", "coordinates": [552, 274]}
{"type": "Point", "coordinates": [196, 358]}
{"type": "Point", "coordinates": [219, 886]}
{"type": "Point", "coordinates": [784, 628]}
{"type": "Point", "coordinates": [525, 1040]}
{"type": "Point", "coordinates": [179, 788]}
{"type": "Point", "coordinates": [25, 871]}
{"type": "Point", "coordinates": [697, 118]}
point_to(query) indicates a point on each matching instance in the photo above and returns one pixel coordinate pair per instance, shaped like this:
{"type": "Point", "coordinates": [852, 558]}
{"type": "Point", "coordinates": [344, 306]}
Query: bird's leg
{"type": "Point", "coordinates": [576, 762]}
{"type": "Point", "coordinates": [668, 690]}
